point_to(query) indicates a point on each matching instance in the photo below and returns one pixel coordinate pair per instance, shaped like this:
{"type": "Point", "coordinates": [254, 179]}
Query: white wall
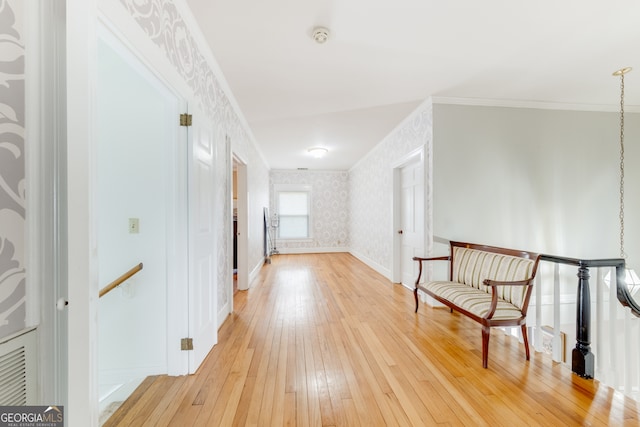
{"type": "Point", "coordinates": [542, 180]}
{"type": "Point", "coordinates": [329, 207]}
{"type": "Point", "coordinates": [371, 190]}
{"type": "Point", "coordinates": [258, 199]}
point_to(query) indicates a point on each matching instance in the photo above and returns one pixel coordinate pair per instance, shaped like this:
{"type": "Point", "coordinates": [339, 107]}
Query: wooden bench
{"type": "Point", "coordinates": [490, 285]}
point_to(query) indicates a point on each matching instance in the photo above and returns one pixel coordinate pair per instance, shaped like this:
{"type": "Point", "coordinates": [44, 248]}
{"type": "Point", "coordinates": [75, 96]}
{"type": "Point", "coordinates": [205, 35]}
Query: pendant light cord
{"type": "Point", "coordinates": [622, 252]}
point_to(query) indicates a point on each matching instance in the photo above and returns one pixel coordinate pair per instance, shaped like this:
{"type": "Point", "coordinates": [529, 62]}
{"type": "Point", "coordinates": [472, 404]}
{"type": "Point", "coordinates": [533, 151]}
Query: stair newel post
{"type": "Point", "coordinates": [582, 358]}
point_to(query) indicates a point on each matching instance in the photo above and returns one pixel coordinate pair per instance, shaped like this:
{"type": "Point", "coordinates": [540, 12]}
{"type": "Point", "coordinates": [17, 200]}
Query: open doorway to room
{"type": "Point", "coordinates": [234, 186]}
{"type": "Point", "coordinates": [240, 224]}
{"type": "Point", "coordinates": [141, 168]}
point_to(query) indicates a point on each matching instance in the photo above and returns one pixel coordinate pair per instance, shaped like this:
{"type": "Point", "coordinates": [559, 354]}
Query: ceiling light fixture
{"type": "Point", "coordinates": [320, 34]}
{"type": "Point", "coordinates": [317, 152]}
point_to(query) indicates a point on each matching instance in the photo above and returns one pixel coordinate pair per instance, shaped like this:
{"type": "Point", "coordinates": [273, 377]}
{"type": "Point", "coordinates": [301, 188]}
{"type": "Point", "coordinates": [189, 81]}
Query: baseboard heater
{"type": "Point", "coordinates": [18, 372]}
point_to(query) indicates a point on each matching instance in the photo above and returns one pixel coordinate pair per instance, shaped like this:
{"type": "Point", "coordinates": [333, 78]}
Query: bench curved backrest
{"type": "Point", "coordinates": [471, 264]}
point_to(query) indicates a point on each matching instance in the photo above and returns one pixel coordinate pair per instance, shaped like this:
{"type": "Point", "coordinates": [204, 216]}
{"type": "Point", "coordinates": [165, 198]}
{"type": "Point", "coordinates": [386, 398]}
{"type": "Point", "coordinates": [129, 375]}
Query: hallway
{"type": "Point", "coordinates": [322, 339]}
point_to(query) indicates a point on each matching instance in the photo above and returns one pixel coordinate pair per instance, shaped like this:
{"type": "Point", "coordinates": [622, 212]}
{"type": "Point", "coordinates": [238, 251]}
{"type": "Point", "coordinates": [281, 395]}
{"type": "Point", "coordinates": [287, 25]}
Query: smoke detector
{"type": "Point", "coordinates": [320, 34]}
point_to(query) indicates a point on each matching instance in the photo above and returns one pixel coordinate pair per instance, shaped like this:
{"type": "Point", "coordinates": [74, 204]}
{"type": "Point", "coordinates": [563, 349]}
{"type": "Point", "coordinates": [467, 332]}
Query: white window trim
{"type": "Point", "coordinates": [278, 188]}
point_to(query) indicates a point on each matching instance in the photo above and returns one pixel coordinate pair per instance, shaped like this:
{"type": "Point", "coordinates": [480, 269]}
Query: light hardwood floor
{"type": "Point", "coordinates": [323, 340]}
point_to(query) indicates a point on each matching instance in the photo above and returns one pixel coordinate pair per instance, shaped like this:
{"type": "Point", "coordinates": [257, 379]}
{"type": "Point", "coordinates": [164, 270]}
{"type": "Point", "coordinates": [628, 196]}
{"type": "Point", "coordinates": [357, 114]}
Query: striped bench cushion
{"type": "Point", "coordinates": [473, 300]}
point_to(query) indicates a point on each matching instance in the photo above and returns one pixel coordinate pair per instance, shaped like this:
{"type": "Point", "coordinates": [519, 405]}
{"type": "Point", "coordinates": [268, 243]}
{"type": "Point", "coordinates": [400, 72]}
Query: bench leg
{"type": "Point", "coordinates": [526, 341]}
{"type": "Point", "coordinates": [486, 333]}
{"type": "Point", "coordinates": [415, 295]}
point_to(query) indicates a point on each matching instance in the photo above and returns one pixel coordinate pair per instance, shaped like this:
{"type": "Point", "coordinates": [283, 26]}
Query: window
{"type": "Point", "coordinates": [293, 212]}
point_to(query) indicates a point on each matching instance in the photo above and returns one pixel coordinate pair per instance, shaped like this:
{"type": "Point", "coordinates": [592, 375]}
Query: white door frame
{"type": "Point", "coordinates": [177, 325]}
{"type": "Point", "coordinates": [243, 222]}
{"type": "Point", "coordinates": [229, 160]}
{"type": "Point", "coordinates": [419, 156]}
{"type": "Point", "coordinates": [82, 277]}
{"type": "Point", "coordinates": [203, 284]}
{"type": "Point", "coordinates": [46, 201]}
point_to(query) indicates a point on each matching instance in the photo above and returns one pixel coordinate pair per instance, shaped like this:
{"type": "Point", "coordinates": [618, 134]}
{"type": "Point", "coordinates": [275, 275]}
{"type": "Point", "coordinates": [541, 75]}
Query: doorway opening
{"type": "Point", "coordinates": [234, 215]}
{"type": "Point", "coordinates": [139, 212]}
{"type": "Point", "coordinates": [241, 226]}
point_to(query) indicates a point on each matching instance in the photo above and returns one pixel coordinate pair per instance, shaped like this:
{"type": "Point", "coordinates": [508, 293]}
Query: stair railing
{"type": "Point", "coordinates": [111, 286]}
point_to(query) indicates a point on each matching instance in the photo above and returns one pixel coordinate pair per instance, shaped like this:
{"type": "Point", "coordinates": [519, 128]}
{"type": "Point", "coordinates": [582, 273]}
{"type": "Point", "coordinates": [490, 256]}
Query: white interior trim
{"type": "Point", "coordinates": [418, 156]}
{"type": "Point", "coordinates": [313, 250]}
{"type": "Point", "coordinates": [227, 309]}
{"type": "Point", "coordinates": [242, 206]}
{"type": "Point", "coordinates": [373, 264]}
{"type": "Point", "coordinates": [539, 105]}
{"type": "Point", "coordinates": [42, 149]}
{"type": "Point", "coordinates": [82, 260]}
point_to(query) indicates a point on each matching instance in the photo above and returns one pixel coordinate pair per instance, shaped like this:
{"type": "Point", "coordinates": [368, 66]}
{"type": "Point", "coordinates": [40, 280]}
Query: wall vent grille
{"type": "Point", "coordinates": [13, 378]}
{"type": "Point", "coordinates": [18, 369]}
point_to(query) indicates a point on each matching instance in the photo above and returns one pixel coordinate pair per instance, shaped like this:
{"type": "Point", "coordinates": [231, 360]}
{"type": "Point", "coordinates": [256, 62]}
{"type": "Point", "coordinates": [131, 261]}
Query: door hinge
{"type": "Point", "coordinates": [186, 344]}
{"type": "Point", "coordinates": [185, 119]}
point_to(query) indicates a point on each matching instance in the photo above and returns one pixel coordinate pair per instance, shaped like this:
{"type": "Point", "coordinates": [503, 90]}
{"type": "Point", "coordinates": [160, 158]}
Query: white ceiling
{"type": "Point", "coordinates": [384, 57]}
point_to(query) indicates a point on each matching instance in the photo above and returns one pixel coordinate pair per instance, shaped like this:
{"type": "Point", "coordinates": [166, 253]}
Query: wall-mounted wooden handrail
{"type": "Point", "coordinates": [111, 286]}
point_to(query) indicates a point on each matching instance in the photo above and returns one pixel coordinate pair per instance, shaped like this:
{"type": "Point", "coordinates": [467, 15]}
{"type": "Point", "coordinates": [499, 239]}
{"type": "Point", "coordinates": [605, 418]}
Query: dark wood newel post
{"type": "Point", "coordinates": [582, 359]}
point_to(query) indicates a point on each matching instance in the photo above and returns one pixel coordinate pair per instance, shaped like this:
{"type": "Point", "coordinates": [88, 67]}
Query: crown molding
{"type": "Point", "coordinates": [539, 105]}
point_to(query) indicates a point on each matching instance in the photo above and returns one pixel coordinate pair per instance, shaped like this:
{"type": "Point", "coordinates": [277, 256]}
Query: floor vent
{"type": "Point", "coordinates": [17, 370]}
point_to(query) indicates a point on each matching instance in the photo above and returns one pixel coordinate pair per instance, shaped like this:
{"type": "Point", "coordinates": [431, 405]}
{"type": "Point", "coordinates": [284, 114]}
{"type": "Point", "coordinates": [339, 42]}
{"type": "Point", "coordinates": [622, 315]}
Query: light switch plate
{"type": "Point", "coordinates": [134, 225]}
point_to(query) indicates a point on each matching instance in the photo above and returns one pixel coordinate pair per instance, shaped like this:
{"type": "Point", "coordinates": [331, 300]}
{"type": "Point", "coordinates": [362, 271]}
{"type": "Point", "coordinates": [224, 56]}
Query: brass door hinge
{"type": "Point", "coordinates": [186, 344]}
{"type": "Point", "coordinates": [185, 119]}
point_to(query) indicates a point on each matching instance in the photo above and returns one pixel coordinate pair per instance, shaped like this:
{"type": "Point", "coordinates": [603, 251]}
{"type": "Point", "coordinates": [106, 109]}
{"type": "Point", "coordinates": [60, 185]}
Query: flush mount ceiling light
{"type": "Point", "coordinates": [320, 34]}
{"type": "Point", "coordinates": [317, 152]}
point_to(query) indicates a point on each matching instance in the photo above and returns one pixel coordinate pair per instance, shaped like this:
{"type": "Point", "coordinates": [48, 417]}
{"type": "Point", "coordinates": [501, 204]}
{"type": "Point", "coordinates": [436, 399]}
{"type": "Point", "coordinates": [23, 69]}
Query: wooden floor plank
{"type": "Point", "coordinates": [323, 340]}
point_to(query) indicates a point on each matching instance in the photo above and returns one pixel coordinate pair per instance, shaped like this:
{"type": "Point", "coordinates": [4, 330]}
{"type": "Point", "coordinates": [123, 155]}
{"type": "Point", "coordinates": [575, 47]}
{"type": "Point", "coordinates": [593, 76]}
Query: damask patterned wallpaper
{"type": "Point", "coordinates": [164, 25]}
{"type": "Point", "coordinates": [371, 187]}
{"type": "Point", "coordinates": [330, 207]}
{"type": "Point", "coordinates": [12, 169]}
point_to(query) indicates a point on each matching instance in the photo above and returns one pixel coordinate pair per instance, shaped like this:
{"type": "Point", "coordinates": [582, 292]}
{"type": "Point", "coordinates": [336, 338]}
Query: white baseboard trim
{"type": "Point", "coordinates": [411, 288]}
{"type": "Point", "coordinates": [374, 265]}
{"type": "Point", "coordinates": [119, 392]}
{"type": "Point", "coordinates": [314, 250]}
{"type": "Point", "coordinates": [123, 376]}
{"type": "Point", "coordinates": [254, 272]}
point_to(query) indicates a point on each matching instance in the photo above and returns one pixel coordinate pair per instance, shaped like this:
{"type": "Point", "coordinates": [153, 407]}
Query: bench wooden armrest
{"type": "Point", "coordinates": [420, 259]}
{"type": "Point", "coordinates": [437, 258]}
{"type": "Point", "coordinates": [489, 282]}
{"type": "Point", "coordinates": [494, 292]}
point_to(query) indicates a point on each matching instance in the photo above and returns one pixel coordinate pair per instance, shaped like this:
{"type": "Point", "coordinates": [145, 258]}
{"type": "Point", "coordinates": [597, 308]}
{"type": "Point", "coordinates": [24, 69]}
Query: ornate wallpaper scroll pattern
{"type": "Point", "coordinates": [371, 186]}
{"type": "Point", "coordinates": [330, 200]}
{"type": "Point", "coordinates": [163, 24]}
{"type": "Point", "coordinates": [12, 170]}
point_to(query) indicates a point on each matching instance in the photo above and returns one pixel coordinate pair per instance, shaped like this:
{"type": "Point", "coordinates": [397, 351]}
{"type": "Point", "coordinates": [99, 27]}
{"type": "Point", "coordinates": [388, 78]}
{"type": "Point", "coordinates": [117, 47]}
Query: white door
{"type": "Point", "coordinates": [411, 220]}
{"type": "Point", "coordinates": [202, 257]}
